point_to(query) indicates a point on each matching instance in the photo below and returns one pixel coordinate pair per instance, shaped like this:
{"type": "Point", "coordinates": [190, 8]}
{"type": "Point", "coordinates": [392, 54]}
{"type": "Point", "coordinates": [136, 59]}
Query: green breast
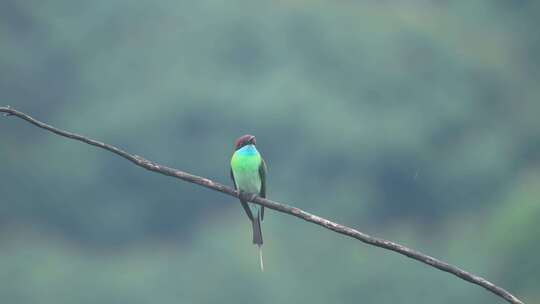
{"type": "Point", "coordinates": [245, 165]}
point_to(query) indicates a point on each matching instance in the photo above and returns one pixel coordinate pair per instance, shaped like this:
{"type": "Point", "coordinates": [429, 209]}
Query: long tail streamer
{"type": "Point", "coordinates": [261, 257]}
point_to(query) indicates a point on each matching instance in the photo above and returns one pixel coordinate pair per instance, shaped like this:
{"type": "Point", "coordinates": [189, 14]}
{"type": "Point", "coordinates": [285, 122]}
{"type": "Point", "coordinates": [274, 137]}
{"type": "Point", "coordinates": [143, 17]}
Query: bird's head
{"type": "Point", "coordinates": [244, 141]}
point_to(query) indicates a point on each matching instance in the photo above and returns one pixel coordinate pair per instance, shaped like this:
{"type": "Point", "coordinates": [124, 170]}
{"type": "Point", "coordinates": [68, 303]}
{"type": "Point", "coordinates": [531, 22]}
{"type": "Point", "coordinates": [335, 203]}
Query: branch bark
{"type": "Point", "coordinates": [341, 229]}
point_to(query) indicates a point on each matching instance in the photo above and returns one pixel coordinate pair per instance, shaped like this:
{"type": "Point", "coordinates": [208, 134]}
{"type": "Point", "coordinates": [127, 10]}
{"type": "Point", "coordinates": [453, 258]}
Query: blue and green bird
{"type": "Point", "coordinates": [248, 172]}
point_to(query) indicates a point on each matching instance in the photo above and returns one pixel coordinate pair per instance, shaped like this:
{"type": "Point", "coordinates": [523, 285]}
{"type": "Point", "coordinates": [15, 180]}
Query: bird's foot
{"type": "Point", "coordinates": [246, 196]}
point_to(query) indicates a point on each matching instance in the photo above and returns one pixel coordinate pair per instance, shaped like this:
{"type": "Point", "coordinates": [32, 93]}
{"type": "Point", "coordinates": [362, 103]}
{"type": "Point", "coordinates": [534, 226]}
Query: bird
{"type": "Point", "coordinates": [248, 172]}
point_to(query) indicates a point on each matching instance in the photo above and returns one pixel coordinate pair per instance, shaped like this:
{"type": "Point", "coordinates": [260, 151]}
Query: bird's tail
{"type": "Point", "coordinates": [257, 237]}
{"type": "Point", "coordinates": [261, 257]}
{"type": "Point", "coordinates": [257, 233]}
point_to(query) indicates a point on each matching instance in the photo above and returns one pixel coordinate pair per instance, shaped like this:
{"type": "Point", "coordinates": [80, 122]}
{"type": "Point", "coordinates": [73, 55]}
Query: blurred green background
{"type": "Point", "coordinates": [415, 121]}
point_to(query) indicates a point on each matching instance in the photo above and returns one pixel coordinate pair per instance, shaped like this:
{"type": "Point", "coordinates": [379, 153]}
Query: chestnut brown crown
{"type": "Point", "coordinates": [244, 140]}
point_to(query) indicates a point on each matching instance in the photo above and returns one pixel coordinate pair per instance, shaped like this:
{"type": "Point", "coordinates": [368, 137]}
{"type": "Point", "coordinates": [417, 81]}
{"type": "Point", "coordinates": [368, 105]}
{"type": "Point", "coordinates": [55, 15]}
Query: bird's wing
{"type": "Point", "coordinates": [262, 175]}
{"type": "Point", "coordinates": [244, 203]}
{"type": "Point", "coordinates": [234, 182]}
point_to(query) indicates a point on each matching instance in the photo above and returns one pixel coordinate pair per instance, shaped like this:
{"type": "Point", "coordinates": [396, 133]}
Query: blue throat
{"type": "Point", "coordinates": [247, 150]}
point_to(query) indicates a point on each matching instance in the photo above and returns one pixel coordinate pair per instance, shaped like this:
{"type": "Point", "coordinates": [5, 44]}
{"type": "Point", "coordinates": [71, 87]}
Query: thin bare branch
{"type": "Point", "coordinates": [341, 229]}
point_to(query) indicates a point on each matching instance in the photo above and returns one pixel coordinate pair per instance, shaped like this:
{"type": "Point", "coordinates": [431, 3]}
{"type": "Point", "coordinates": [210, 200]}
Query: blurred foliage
{"type": "Point", "coordinates": [414, 121]}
